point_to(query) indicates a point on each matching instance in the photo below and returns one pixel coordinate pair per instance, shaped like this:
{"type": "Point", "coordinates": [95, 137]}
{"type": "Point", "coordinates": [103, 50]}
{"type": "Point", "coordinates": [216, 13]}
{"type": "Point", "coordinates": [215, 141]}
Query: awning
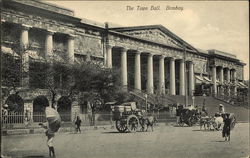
{"type": "Point", "coordinates": [9, 51]}
{"type": "Point", "coordinates": [242, 85]}
{"type": "Point", "coordinates": [207, 79]}
{"type": "Point", "coordinates": [34, 55]}
{"type": "Point", "coordinates": [199, 79]}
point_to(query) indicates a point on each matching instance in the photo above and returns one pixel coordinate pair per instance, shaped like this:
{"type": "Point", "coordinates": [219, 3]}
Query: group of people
{"type": "Point", "coordinates": [204, 112]}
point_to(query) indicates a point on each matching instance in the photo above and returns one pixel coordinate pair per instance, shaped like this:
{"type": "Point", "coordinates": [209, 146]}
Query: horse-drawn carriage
{"type": "Point", "coordinates": [217, 121]}
{"type": "Point", "coordinates": [127, 117]}
{"type": "Point", "coordinates": [188, 116]}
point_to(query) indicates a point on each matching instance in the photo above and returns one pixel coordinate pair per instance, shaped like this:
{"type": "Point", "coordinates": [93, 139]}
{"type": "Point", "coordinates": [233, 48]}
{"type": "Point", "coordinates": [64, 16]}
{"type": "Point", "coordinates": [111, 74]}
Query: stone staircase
{"type": "Point", "coordinates": [212, 104]}
{"type": "Point", "coordinates": [153, 98]}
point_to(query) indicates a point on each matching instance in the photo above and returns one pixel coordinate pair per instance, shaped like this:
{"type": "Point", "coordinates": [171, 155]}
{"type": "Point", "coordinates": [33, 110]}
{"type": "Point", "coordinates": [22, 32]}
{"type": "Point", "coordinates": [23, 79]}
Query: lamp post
{"type": "Point", "coordinates": [193, 100]}
{"type": "Point", "coordinates": [204, 99]}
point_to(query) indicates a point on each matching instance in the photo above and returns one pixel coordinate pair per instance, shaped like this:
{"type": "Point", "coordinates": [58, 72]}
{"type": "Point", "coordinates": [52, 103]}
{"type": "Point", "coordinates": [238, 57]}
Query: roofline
{"type": "Point", "coordinates": [149, 41]}
{"type": "Point", "coordinates": [70, 18]}
{"type": "Point", "coordinates": [45, 3]}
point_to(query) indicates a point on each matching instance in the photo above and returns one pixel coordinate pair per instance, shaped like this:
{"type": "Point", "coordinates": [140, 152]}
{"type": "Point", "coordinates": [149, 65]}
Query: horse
{"type": "Point", "coordinates": [217, 122]}
{"type": "Point", "coordinates": [206, 122]}
{"type": "Point", "coordinates": [147, 121]}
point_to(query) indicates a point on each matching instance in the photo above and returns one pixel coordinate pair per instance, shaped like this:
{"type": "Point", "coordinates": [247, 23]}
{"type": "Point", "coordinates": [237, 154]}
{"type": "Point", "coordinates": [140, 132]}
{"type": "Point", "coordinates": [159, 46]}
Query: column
{"type": "Point", "coordinates": [71, 48]}
{"type": "Point", "coordinates": [172, 77]}
{"type": "Point", "coordinates": [228, 80]}
{"type": "Point", "coordinates": [235, 82]}
{"type": "Point", "coordinates": [109, 56]}
{"type": "Point", "coordinates": [124, 71]}
{"type": "Point", "coordinates": [24, 41]}
{"type": "Point", "coordinates": [191, 78]}
{"type": "Point", "coordinates": [150, 79]}
{"type": "Point", "coordinates": [221, 77]}
{"type": "Point", "coordinates": [138, 70]}
{"type": "Point", "coordinates": [162, 75]}
{"type": "Point", "coordinates": [214, 80]}
{"type": "Point", "coordinates": [49, 56]}
{"type": "Point", "coordinates": [49, 45]}
{"type": "Point", "coordinates": [24, 38]}
{"type": "Point", "coordinates": [182, 80]}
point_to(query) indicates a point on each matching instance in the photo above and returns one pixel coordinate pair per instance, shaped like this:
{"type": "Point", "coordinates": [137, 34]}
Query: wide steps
{"type": "Point", "coordinates": [212, 105]}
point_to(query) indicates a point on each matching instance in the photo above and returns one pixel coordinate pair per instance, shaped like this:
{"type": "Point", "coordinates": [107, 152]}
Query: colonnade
{"type": "Point", "coordinates": [24, 41]}
{"type": "Point", "coordinates": [150, 73]}
{"type": "Point", "coordinates": [229, 77]}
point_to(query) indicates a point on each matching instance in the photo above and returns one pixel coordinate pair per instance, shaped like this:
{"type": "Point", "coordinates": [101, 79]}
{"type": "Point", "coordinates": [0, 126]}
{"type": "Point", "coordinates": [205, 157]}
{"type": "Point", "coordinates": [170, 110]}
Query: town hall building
{"type": "Point", "coordinates": [151, 58]}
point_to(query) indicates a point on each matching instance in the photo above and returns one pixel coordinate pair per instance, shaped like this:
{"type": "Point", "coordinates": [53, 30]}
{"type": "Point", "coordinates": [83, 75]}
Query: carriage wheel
{"type": "Point", "coordinates": [120, 126]}
{"type": "Point", "coordinates": [181, 124]}
{"type": "Point", "coordinates": [192, 121]}
{"type": "Point", "coordinates": [132, 123]}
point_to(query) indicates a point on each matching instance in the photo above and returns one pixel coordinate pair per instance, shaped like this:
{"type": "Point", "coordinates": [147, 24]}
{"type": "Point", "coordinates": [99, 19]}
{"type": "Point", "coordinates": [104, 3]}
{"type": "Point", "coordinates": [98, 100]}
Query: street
{"type": "Point", "coordinates": [166, 141]}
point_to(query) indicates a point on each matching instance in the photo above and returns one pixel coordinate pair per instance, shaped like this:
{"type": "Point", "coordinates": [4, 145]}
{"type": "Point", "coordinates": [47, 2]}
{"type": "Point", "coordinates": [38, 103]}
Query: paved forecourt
{"type": "Point", "coordinates": [165, 142]}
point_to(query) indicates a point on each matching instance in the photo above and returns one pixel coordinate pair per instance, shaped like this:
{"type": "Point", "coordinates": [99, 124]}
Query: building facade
{"type": "Point", "coordinates": [151, 58]}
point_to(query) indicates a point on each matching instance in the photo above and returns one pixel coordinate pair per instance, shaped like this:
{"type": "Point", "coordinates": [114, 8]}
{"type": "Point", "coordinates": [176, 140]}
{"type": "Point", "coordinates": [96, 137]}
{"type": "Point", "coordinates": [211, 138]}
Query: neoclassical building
{"type": "Point", "coordinates": [152, 59]}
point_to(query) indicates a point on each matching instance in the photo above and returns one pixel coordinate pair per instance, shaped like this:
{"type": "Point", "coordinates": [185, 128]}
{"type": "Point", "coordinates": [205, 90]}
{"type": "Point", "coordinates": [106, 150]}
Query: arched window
{"type": "Point", "coordinates": [38, 108]}
{"type": "Point", "coordinates": [38, 104]}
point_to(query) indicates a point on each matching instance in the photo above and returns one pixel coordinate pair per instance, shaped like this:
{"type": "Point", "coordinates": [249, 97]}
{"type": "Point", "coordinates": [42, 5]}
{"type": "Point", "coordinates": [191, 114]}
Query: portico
{"type": "Point", "coordinates": [128, 60]}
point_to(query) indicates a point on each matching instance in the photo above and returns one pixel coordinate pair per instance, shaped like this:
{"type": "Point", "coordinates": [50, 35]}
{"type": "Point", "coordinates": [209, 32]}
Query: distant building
{"type": "Point", "coordinates": [151, 58]}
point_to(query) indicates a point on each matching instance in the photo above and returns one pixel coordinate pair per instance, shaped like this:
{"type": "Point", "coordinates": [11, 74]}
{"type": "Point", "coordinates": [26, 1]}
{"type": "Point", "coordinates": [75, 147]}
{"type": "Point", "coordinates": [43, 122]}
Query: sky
{"type": "Point", "coordinates": [221, 25]}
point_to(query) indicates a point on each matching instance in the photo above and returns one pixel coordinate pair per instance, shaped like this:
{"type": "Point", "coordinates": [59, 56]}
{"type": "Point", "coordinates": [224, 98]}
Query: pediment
{"type": "Point", "coordinates": [155, 33]}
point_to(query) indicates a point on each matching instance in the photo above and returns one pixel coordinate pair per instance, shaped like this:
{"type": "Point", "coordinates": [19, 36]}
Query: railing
{"type": "Point", "coordinates": [22, 121]}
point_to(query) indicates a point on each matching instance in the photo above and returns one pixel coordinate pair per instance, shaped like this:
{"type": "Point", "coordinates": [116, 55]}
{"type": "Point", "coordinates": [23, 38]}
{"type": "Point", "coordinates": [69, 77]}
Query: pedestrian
{"type": "Point", "coordinates": [52, 125]}
{"type": "Point", "coordinates": [226, 127]}
{"type": "Point", "coordinates": [178, 114]}
{"type": "Point", "coordinates": [221, 109]}
{"type": "Point", "coordinates": [78, 124]}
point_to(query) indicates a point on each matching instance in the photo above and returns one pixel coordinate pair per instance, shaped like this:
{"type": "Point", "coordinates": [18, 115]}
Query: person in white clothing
{"type": "Point", "coordinates": [221, 109]}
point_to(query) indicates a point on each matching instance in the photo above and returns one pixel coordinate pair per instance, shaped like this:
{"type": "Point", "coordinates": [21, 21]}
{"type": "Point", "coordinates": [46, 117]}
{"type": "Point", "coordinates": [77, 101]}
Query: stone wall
{"type": "Point", "coordinates": [85, 44]}
{"type": "Point", "coordinates": [154, 35]}
{"type": "Point", "coordinates": [36, 21]}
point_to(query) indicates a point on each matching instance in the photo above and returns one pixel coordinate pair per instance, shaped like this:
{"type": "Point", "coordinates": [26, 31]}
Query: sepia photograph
{"type": "Point", "coordinates": [124, 79]}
